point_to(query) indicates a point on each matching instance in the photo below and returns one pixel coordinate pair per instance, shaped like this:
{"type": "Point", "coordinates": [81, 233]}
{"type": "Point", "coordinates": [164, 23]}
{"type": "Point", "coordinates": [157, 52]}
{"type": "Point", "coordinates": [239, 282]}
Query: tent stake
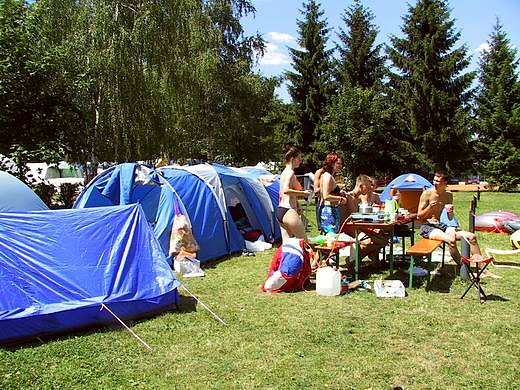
{"type": "Point", "coordinates": [103, 306]}
{"type": "Point", "coordinates": [204, 306]}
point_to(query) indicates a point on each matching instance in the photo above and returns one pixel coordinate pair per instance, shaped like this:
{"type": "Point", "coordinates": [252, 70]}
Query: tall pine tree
{"type": "Point", "coordinates": [355, 124]}
{"type": "Point", "coordinates": [498, 111]}
{"type": "Point", "coordinates": [361, 63]}
{"type": "Point", "coordinates": [310, 84]}
{"type": "Point", "coordinates": [431, 92]}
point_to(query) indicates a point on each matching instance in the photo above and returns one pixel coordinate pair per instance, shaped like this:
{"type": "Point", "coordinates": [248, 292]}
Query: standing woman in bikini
{"type": "Point", "coordinates": [287, 215]}
{"type": "Point", "coordinates": [331, 195]}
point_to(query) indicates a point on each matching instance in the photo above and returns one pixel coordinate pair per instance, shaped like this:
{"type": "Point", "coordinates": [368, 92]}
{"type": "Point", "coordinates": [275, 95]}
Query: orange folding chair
{"type": "Point", "coordinates": [480, 266]}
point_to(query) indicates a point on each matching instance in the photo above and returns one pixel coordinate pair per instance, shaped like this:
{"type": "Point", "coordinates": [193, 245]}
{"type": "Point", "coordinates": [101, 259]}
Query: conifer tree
{"type": "Point", "coordinates": [361, 63]}
{"type": "Point", "coordinates": [358, 121]}
{"type": "Point", "coordinates": [431, 92]}
{"type": "Point", "coordinates": [310, 83]}
{"type": "Point", "coordinates": [498, 111]}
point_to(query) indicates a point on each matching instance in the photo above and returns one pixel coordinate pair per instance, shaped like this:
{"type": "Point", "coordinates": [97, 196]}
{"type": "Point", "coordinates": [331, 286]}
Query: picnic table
{"type": "Point", "coordinates": [381, 229]}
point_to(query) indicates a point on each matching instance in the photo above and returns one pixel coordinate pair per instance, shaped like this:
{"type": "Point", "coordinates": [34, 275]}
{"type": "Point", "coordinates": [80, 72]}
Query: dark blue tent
{"type": "Point", "coordinates": [59, 267]}
{"type": "Point", "coordinates": [16, 196]}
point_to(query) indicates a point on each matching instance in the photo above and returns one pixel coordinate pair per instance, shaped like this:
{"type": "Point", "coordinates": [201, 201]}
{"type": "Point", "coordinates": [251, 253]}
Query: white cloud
{"type": "Point", "coordinates": [274, 56]}
{"type": "Point", "coordinates": [484, 46]}
{"type": "Point", "coordinates": [281, 37]}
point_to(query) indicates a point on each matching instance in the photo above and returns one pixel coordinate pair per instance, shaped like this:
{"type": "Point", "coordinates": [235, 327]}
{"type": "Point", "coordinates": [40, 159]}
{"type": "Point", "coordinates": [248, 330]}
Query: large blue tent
{"type": "Point", "coordinates": [58, 268]}
{"type": "Point", "coordinates": [204, 193]}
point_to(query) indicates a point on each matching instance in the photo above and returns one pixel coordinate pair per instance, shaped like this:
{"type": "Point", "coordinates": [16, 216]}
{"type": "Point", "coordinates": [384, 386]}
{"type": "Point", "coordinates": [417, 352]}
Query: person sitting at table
{"type": "Point", "coordinates": [371, 241]}
{"type": "Point", "coordinates": [330, 195]}
{"type": "Point", "coordinates": [431, 204]}
{"type": "Point", "coordinates": [371, 197]}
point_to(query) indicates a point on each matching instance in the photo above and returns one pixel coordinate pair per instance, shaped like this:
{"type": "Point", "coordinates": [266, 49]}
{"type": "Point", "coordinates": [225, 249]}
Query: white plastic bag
{"type": "Point", "coordinates": [188, 267]}
{"type": "Point", "coordinates": [389, 288]}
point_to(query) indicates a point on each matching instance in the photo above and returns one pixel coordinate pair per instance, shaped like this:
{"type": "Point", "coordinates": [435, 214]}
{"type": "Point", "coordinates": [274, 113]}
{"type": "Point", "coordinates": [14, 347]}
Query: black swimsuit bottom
{"type": "Point", "coordinates": [280, 213]}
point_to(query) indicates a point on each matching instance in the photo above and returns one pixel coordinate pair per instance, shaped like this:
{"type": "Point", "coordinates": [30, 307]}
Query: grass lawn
{"type": "Point", "coordinates": [428, 340]}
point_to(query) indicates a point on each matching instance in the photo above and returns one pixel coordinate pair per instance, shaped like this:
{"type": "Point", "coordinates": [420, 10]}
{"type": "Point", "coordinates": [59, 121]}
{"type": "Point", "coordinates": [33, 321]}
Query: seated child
{"type": "Point", "coordinates": [182, 241]}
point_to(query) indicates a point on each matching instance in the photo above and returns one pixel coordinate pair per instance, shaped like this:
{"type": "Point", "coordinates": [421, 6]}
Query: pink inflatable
{"type": "Point", "coordinates": [493, 221]}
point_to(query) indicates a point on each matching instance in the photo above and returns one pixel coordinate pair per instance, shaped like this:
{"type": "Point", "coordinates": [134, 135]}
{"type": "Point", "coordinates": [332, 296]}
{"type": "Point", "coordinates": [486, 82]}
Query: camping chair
{"type": "Point", "coordinates": [475, 276]}
{"type": "Point", "coordinates": [490, 252]}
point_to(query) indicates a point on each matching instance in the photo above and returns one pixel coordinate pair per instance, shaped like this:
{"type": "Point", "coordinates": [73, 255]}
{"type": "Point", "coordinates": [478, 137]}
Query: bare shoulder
{"type": "Point", "coordinates": [286, 175]}
{"type": "Point", "coordinates": [448, 197]}
{"type": "Point", "coordinates": [426, 194]}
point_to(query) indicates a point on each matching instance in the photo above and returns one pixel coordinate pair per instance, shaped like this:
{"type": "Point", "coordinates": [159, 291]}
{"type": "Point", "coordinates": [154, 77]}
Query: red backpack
{"type": "Point", "coordinates": [289, 268]}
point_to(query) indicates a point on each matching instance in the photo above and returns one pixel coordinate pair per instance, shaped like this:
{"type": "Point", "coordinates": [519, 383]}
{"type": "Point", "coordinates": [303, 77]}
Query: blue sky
{"type": "Point", "coordinates": [276, 21]}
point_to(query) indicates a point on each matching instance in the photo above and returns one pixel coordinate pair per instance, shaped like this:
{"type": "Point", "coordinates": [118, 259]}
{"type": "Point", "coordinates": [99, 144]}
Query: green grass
{"type": "Point", "coordinates": [428, 340]}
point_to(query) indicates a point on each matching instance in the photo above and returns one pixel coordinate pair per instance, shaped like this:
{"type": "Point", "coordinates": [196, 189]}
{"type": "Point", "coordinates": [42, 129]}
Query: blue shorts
{"type": "Point", "coordinates": [329, 219]}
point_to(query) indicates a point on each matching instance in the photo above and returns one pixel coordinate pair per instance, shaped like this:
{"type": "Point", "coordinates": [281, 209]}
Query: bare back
{"type": "Point", "coordinates": [288, 181]}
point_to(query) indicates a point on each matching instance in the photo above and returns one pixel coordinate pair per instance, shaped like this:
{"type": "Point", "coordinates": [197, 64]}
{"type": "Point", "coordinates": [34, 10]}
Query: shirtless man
{"type": "Point", "coordinates": [431, 203]}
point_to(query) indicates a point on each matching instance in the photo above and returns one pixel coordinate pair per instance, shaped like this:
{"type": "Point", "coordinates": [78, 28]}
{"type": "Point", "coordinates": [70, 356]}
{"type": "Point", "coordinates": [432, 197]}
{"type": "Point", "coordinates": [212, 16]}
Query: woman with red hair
{"type": "Point", "coordinates": [331, 195]}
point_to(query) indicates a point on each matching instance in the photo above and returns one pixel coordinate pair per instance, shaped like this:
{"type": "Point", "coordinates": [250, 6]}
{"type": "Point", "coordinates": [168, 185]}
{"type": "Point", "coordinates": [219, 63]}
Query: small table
{"type": "Point", "coordinates": [363, 226]}
{"type": "Point", "coordinates": [325, 251]}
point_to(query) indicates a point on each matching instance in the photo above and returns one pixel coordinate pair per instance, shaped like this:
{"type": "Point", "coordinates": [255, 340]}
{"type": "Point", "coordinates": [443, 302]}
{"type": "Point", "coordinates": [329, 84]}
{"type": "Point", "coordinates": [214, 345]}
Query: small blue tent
{"type": "Point", "coordinates": [404, 182]}
{"type": "Point", "coordinates": [131, 183]}
{"type": "Point", "coordinates": [59, 267]}
{"type": "Point", "coordinates": [410, 185]}
{"type": "Point", "coordinates": [16, 196]}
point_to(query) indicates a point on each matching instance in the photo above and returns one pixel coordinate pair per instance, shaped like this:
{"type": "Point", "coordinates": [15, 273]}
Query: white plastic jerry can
{"type": "Point", "coordinates": [328, 281]}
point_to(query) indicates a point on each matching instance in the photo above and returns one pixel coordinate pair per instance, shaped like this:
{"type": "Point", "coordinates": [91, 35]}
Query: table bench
{"type": "Point", "coordinates": [423, 248]}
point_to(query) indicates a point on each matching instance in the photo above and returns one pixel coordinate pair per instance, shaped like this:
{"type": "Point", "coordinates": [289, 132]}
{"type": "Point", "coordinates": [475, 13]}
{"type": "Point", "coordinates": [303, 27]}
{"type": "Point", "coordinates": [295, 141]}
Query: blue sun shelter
{"type": "Point", "coordinates": [16, 196]}
{"type": "Point", "coordinates": [410, 186]}
{"type": "Point", "coordinates": [60, 268]}
{"type": "Point", "coordinates": [201, 192]}
{"type": "Point", "coordinates": [131, 183]}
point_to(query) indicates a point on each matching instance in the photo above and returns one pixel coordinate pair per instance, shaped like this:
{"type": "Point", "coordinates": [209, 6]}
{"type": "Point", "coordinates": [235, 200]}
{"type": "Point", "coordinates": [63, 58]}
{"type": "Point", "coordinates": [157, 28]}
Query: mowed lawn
{"type": "Point", "coordinates": [428, 340]}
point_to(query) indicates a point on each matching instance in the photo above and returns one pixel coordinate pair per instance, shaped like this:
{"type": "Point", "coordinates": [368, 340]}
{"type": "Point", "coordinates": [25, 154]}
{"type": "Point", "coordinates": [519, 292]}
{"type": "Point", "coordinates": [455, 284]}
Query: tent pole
{"type": "Point", "coordinates": [204, 306]}
{"type": "Point", "coordinates": [103, 306]}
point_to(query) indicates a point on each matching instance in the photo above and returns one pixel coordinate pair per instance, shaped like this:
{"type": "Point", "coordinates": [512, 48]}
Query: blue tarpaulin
{"type": "Point", "coordinates": [58, 267]}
